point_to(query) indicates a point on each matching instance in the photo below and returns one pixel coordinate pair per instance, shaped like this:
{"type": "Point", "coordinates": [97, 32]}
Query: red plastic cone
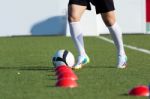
{"type": "Point", "coordinates": [59, 67]}
{"type": "Point", "coordinates": [63, 69]}
{"type": "Point", "coordinates": [141, 90]}
{"type": "Point", "coordinates": [67, 75]}
{"type": "Point", "coordinates": [67, 83]}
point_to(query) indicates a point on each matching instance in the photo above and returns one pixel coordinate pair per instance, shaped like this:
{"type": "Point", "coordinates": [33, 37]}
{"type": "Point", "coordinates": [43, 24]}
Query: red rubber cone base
{"type": "Point", "coordinates": [67, 75]}
{"type": "Point", "coordinates": [67, 83]}
{"type": "Point", "coordinates": [59, 67]}
{"type": "Point", "coordinates": [141, 90]}
{"type": "Point", "coordinates": [63, 69]}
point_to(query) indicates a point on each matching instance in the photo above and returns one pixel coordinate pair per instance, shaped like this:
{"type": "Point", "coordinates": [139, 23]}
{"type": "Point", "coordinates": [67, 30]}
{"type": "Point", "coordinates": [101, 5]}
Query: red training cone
{"type": "Point", "coordinates": [63, 70]}
{"type": "Point", "coordinates": [59, 67]}
{"type": "Point", "coordinates": [66, 83]}
{"type": "Point", "coordinates": [67, 75]}
{"type": "Point", "coordinates": [141, 90]}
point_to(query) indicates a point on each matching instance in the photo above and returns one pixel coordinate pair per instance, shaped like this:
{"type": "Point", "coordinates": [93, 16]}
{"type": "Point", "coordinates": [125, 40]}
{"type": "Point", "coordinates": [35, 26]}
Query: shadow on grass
{"type": "Point", "coordinates": [50, 70]}
{"type": "Point", "coordinates": [125, 95]}
{"type": "Point", "coordinates": [32, 68]}
{"type": "Point", "coordinates": [37, 68]}
{"type": "Point", "coordinates": [51, 86]}
{"type": "Point", "coordinates": [100, 66]}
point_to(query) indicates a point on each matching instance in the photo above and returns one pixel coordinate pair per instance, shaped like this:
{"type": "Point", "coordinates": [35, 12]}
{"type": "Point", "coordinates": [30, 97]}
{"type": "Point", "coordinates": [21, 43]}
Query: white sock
{"type": "Point", "coordinates": [77, 36]}
{"type": "Point", "coordinates": [116, 34]}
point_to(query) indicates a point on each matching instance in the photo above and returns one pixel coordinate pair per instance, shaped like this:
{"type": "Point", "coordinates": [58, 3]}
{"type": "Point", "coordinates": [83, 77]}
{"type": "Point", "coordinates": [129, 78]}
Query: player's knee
{"type": "Point", "coordinates": [73, 18]}
{"type": "Point", "coordinates": [109, 22]}
{"type": "Point", "coordinates": [109, 18]}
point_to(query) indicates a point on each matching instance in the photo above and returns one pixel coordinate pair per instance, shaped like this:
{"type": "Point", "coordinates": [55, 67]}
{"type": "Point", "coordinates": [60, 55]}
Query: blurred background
{"type": "Point", "coordinates": [49, 17]}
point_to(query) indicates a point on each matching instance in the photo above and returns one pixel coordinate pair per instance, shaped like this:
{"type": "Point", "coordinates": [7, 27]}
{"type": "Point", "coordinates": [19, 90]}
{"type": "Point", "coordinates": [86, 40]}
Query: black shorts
{"type": "Point", "coordinates": [102, 6]}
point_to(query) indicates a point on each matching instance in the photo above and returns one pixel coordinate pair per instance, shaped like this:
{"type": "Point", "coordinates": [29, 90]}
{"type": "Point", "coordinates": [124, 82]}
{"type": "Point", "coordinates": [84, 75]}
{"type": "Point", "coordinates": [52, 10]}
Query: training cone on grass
{"type": "Point", "coordinates": [63, 69]}
{"type": "Point", "coordinates": [60, 67]}
{"type": "Point", "coordinates": [67, 75]}
{"type": "Point", "coordinates": [66, 78]}
{"type": "Point", "coordinates": [66, 83]}
{"type": "Point", "coordinates": [140, 90]}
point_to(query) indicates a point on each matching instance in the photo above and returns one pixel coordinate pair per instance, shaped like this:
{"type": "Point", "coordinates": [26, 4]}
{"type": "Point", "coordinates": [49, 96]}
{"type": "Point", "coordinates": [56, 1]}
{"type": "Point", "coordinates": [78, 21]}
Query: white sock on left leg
{"type": "Point", "coordinates": [77, 36]}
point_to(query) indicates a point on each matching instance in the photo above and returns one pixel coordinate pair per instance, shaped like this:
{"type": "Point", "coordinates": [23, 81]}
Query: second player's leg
{"type": "Point", "coordinates": [109, 18]}
{"type": "Point", "coordinates": [75, 13]}
{"type": "Point", "coordinates": [116, 33]}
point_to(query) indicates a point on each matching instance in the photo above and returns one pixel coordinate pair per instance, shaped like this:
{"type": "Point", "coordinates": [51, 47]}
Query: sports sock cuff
{"type": "Point", "coordinates": [74, 22]}
{"type": "Point", "coordinates": [75, 28]}
{"type": "Point", "coordinates": [114, 25]}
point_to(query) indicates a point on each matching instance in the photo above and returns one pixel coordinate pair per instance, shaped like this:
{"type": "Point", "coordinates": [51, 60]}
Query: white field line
{"type": "Point", "coordinates": [127, 46]}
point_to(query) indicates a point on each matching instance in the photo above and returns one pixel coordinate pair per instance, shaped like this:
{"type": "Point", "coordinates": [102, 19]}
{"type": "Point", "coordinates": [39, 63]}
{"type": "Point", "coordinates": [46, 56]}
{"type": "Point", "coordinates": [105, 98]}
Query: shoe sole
{"type": "Point", "coordinates": [79, 67]}
{"type": "Point", "coordinates": [123, 66]}
{"type": "Point", "coordinates": [76, 68]}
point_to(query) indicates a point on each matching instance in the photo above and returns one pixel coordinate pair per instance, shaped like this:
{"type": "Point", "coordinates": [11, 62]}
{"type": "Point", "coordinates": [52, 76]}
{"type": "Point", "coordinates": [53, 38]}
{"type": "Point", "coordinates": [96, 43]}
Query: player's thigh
{"type": "Point", "coordinates": [103, 6]}
{"type": "Point", "coordinates": [109, 18]}
{"type": "Point", "coordinates": [75, 11]}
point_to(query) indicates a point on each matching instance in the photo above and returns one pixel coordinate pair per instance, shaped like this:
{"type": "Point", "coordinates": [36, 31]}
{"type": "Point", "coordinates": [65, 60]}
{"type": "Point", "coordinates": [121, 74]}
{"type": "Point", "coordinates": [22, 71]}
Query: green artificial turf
{"type": "Point", "coordinates": [26, 70]}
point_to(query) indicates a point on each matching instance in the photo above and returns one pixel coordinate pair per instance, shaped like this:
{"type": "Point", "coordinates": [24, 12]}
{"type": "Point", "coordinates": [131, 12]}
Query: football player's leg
{"type": "Point", "coordinates": [116, 33]}
{"type": "Point", "coordinates": [74, 15]}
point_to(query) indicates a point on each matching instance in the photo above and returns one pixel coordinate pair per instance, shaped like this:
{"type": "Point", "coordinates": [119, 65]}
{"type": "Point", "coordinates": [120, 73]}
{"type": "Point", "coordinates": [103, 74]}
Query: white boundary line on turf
{"type": "Point", "coordinates": [127, 46]}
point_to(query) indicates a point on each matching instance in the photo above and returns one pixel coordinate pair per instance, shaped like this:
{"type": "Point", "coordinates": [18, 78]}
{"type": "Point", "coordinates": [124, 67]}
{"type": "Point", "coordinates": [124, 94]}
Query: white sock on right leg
{"type": "Point", "coordinates": [117, 37]}
{"type": "Point", "coordinates": [77, 36]}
